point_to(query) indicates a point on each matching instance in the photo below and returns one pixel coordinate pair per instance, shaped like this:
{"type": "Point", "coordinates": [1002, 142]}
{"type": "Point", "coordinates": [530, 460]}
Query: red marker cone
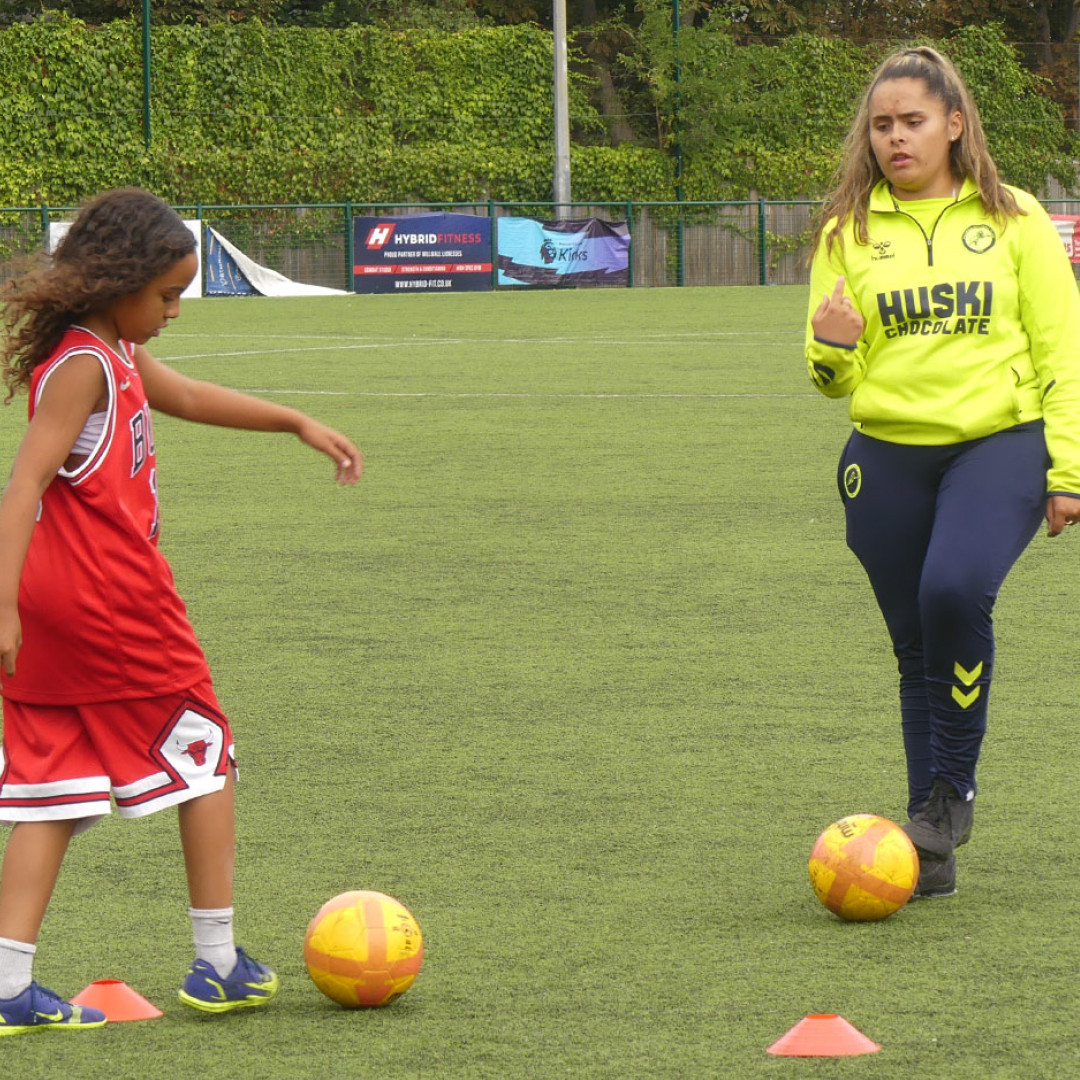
{"type": "Point", "coordinates": [823, 1035]}
{"type": "Point", "coordinates": [117, 1001]}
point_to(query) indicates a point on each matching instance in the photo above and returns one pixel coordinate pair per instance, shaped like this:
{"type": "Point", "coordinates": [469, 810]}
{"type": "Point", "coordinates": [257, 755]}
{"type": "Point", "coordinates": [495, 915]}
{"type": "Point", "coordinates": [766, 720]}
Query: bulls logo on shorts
{"type": "Point", "coordinates": [193, 754]}
{"type": "Point", "coordinates": [195, 744]}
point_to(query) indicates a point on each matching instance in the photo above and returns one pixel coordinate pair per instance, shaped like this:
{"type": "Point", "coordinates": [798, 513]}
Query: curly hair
{"type": "Point", "coordinates": [118, 243]}
{"type": "Point", "coordinates": [859, 170]}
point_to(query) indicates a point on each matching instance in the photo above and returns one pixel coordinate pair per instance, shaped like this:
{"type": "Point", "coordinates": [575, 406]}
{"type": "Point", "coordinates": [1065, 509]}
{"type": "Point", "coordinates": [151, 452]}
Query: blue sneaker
{"type": "Point", "coordinates": [38, 1009]}
{"type": "Point", "coordinates": [248, 984]}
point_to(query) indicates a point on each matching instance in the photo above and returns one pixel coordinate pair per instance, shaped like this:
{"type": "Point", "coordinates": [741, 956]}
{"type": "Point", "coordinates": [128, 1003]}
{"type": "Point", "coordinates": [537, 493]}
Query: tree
{"type": "Point", "coordinates": [770, 118]}
{"type": "Point", "coordinates": [1044, 31]}
{"type": "Point", "coordinates": [163, 12]}
{"type": "Point", "coordinates": [399, 14]}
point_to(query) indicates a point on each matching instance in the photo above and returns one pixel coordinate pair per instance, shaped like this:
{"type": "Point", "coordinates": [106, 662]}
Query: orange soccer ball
{"type": "Point", "coordinates": [363, 949]}
{"type": "Point", "coordinates": [864, 867]}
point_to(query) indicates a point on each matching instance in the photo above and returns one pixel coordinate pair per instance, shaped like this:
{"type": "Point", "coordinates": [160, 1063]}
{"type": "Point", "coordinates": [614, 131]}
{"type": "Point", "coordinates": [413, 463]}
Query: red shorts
{"type": "Point", "coordinates": [59, 762]}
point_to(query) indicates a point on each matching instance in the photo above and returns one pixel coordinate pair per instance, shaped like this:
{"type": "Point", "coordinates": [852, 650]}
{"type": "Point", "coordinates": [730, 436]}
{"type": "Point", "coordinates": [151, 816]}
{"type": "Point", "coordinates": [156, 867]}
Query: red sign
{"type": "Point", "coordinates": [1068, 227]}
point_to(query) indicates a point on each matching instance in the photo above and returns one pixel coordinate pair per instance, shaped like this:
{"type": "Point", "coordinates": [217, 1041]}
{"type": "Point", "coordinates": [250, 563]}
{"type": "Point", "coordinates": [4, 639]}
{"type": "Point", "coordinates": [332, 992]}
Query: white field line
{"type": "Point", "coordinates": [420, 343]}
{"type": "Point", "coordinates": [428, 342]}
{"type": "Point", "coordinates": [525, 395]}
{"type": "Point", "coordinates": [660, 334]}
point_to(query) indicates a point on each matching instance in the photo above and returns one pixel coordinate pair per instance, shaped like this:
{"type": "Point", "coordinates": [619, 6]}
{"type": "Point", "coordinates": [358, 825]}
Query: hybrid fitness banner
{"type": "Point", "coordinates": [589, 252]}
{"type": "Point", "coordinates": [444, 252]}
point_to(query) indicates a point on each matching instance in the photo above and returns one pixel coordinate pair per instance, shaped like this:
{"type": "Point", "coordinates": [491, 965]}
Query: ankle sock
{"type": "Point", "coordinates": [213, 932]}
{"type": "Point", "coordinates": [16, 967]}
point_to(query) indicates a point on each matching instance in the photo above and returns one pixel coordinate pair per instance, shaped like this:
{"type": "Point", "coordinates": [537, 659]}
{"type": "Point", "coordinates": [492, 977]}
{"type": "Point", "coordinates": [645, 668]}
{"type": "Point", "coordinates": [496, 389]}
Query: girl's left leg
{"type": "Point", "coordinates": [990, 504]}
{"type": "Point", "coordinates": [208, 838]}
{"type": "Point", "coordinates": [222, 977]}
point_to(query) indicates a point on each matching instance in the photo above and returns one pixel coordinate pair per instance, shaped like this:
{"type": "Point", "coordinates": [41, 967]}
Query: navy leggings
{"type": "Point", "coordinates": [937, 528]}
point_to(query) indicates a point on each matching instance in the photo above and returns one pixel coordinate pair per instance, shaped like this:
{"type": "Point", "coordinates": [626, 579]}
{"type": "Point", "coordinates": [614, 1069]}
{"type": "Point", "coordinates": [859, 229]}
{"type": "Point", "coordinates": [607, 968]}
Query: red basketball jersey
{"type": "Point", "coordinates": [101, 617]}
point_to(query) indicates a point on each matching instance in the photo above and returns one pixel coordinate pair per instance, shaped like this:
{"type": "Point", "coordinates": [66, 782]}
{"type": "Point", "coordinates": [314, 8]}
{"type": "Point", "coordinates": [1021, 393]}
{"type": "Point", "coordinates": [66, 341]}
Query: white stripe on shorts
{"type": "Point", "coordinates": [86, 785]}
{"type": "Point", "coordinates": [140, 787]}
{"type": "Point", "coordinates": [195, 786]}
{"type": "Point", "coordinates": [84, 814]}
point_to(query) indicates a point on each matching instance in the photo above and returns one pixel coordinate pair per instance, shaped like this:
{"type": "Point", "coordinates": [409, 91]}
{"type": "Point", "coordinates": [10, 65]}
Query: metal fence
{"type": "Point", "coordinates": [755, 242]}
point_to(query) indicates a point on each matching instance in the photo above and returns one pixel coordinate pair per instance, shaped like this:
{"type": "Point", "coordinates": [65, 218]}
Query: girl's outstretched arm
{"type": "Point", "coordinates": [73, 391]}
{"type": "Point", "coordinates": [207, 403]}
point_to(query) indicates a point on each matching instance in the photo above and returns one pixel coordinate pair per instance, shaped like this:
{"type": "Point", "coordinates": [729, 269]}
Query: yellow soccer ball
{"type": "Point", "coordinates": [363, 949]}
{"type": "Point", "coordinates": [864, 867]}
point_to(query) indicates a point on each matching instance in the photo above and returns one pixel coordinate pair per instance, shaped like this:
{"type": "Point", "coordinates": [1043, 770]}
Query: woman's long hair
{"type": "Point", "coordinates": [119, 242]}
{"type": "Point", "coordinates": [969, 156]}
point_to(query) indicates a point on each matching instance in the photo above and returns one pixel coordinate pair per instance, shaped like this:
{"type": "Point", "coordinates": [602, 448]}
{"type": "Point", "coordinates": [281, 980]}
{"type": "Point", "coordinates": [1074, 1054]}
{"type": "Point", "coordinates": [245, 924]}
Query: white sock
{"type": "Point", "coordinates": [16, 965]}
{"type": "Point", "coordinates": [213, 930]}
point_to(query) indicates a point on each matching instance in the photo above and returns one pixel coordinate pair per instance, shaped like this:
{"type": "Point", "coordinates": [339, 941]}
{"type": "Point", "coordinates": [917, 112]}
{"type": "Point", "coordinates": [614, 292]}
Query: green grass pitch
{"type": "Point", "coordinates": [578, 673]}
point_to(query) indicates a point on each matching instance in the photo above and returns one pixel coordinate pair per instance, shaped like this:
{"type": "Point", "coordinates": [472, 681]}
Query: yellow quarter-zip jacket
{"type": "Point", "coordinates": [972, 326]}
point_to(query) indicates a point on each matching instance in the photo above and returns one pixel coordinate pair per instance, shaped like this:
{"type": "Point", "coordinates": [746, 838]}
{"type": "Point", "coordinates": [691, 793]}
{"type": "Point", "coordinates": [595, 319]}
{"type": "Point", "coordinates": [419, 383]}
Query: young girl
{"type": "Point", "coordinates": [106, 691]}
{"type": "Point", "coordinates": [944, 305]}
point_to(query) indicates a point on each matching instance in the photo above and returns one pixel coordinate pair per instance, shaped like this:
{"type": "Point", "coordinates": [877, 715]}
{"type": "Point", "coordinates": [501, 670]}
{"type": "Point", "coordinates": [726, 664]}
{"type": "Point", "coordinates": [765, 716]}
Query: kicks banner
{"type": "Point", "coordinates": [422, 252]}
{"type": "Point", "coordinates": [586, 252]}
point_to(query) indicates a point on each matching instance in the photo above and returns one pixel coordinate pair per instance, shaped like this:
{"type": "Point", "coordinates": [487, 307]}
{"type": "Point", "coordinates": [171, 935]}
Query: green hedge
{"type": "Point", "coordinates": [250, 113]}
{"type": "Point", "coordinates": [772, 118]}
{"type": "Point", "coordinates": [246, 113]}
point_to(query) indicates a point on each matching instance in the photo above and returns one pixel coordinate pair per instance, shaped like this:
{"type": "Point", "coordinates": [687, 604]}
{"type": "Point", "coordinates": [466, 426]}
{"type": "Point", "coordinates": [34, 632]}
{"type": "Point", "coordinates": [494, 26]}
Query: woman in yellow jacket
{"type": "Point", "coordinates": [943, 305]}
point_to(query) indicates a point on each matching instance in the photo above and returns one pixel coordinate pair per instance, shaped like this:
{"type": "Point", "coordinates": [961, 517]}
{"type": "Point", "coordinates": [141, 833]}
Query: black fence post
{"type": "Point", "coordinates": [763, 248]}
{"type": "Point", "coordinates": [350, 249]}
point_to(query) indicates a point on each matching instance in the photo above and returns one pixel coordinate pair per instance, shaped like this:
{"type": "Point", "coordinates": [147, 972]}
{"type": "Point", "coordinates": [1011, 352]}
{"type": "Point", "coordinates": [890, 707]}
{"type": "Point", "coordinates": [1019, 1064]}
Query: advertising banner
{"type": "Point", "coordinates": [229, 272]}
{"type": "Point", "coordinates": [1068, 227]}
{"type": "Point", "coordinates": [429, 252]}
{"type": "Point", "coordinates": [223, 274]}
{"type": "Point", "coordinates": [588, 252]}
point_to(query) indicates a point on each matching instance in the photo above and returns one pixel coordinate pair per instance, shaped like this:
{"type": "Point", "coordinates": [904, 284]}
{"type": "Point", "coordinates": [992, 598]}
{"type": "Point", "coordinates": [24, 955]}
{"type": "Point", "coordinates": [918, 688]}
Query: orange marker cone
{"type": "Point", "coordinates": [823, 1035]}
{"type": "Point", "coordinates": [117, 1001]}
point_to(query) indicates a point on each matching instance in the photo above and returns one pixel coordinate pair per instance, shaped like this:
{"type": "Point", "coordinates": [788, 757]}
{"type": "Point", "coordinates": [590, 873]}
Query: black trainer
{"type": "Point", "coordinates": [942, 823]}
{"type": "Point", "coordinates": [937, 877]}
